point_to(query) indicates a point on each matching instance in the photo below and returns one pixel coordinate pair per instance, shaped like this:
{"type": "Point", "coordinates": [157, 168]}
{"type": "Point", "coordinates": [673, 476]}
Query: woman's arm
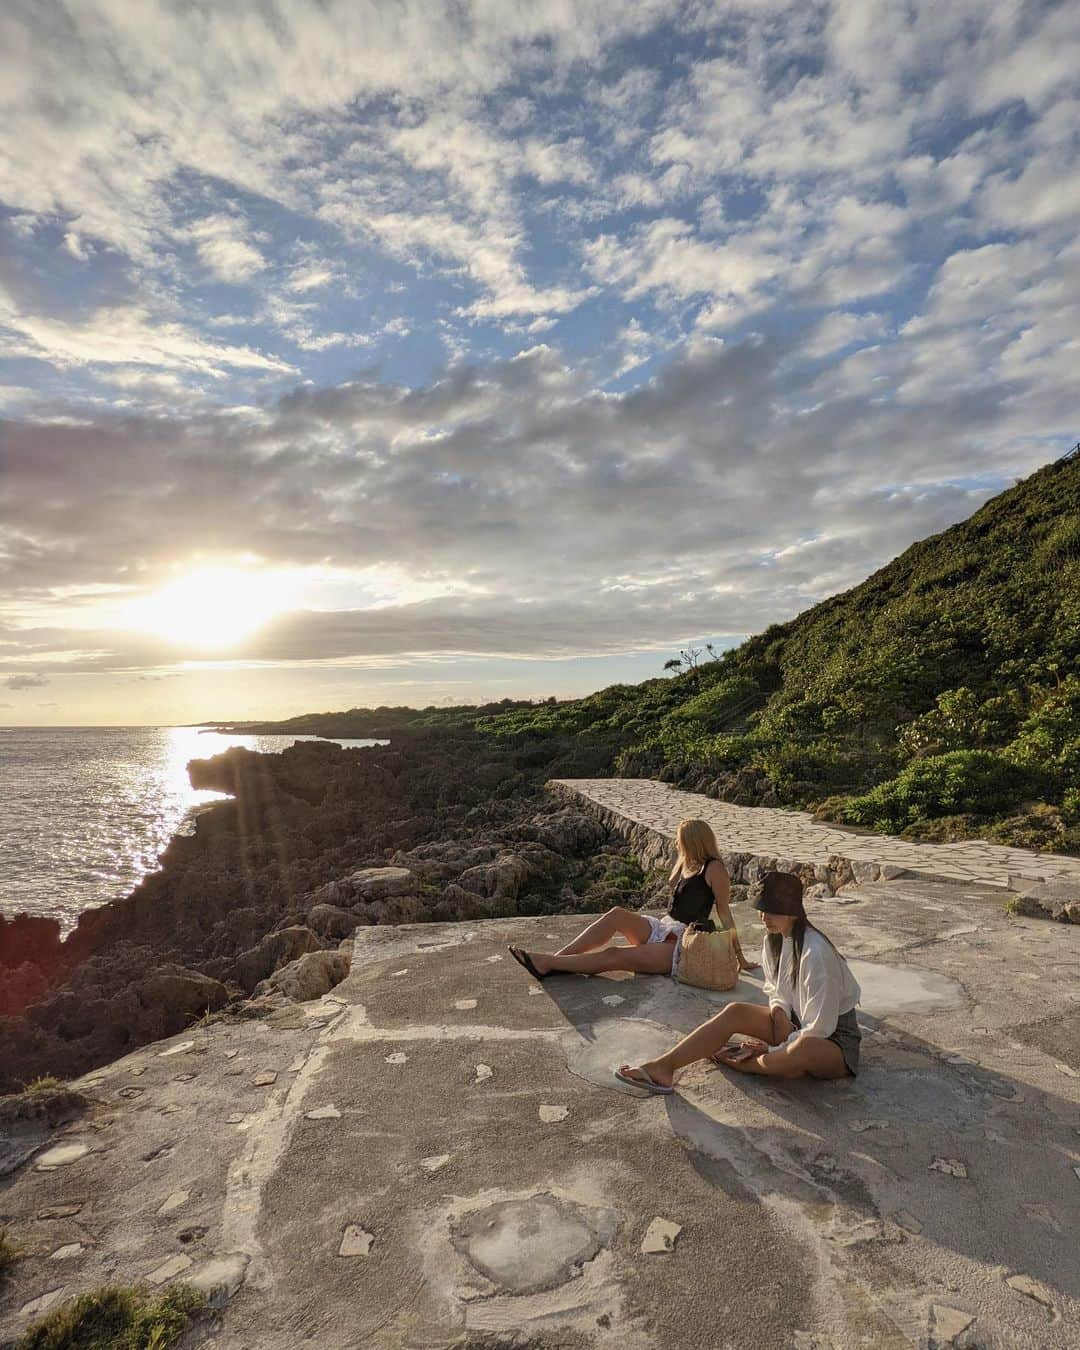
{"type": "Point", "coordinates": [720, 885]}
{"type": "Point", "coordinates": [771, 981]}
{"type": "Point", "coordinates": [820, 987]}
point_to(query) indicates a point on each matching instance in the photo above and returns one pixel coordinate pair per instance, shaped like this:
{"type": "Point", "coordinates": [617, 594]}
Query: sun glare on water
{"type": "Point", "coordinates": [210, 609]}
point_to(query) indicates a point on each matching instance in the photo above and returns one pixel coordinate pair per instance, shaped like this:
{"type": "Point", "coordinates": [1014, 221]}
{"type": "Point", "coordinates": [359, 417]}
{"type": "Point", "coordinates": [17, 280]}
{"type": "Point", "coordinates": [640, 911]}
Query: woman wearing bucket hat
{"type": "Point", "coordinates": [809, 1027]}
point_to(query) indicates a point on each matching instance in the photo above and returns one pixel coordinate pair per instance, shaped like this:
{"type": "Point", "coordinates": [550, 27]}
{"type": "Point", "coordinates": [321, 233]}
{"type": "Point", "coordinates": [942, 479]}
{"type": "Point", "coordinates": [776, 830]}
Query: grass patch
{"type": "Point", "coordinates": [9, 1253]}
{"type": "Point", "coordinates": [46, 1083]}
{"type": "Point", "coordinates": [117, 1318]}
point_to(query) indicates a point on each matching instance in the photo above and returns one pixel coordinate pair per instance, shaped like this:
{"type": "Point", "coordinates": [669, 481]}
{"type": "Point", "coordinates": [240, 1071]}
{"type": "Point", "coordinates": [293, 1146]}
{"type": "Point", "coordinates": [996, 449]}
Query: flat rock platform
{"type": "Point", "coordinates": [436, 1154]}
{"type": "Point", "coordinates": [648, 812]}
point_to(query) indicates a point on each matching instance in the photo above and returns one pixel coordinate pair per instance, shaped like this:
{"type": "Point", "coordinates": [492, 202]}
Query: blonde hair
{"type": "Point", "coordinates": [694, 842]}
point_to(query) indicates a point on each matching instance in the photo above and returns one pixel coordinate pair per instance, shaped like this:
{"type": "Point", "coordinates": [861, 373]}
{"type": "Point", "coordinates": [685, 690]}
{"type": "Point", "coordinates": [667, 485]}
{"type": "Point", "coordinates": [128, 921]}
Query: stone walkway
{"type": "Point", "coordinates": [755, 838]}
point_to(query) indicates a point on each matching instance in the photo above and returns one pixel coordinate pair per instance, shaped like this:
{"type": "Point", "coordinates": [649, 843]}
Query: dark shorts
{"type": "Point", "coordinates": [847, 1036]}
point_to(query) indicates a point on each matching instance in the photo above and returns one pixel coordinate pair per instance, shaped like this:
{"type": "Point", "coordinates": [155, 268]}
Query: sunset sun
{"type": "Point", "coordinates": [208, 609]}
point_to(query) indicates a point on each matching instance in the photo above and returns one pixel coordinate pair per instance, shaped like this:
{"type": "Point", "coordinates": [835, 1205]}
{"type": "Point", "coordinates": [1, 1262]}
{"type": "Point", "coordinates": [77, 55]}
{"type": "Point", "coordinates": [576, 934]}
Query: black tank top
{"type": "Point", "coordinates": [692, 899]}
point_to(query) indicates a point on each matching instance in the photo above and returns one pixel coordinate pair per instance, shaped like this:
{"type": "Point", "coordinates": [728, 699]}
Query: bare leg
{"type": "Point", "coordinates": [746, 1019]}
{"type": "Point", "coordinates": [812, 1057]}
{"type": "Point", "coordinates": [634, 927]}
{"type": "Point", "coordinates": [653, 958]}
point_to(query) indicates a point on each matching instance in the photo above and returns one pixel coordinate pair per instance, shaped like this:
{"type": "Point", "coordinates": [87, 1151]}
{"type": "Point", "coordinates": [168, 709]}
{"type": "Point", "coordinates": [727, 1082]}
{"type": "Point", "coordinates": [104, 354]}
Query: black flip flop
{"type": "Point", "coordinates": [523, 959]}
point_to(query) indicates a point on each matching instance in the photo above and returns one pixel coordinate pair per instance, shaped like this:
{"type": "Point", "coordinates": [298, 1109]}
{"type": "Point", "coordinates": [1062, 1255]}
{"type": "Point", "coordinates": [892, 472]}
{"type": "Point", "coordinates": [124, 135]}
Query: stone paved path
{"type": "Point", "coordinates": [646, 807]}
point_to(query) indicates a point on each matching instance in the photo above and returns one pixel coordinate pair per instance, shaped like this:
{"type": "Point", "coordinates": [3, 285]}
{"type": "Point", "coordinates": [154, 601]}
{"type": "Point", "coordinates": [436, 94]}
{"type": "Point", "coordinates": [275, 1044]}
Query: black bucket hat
{"type": "Point", "coordinates": [781, 893]}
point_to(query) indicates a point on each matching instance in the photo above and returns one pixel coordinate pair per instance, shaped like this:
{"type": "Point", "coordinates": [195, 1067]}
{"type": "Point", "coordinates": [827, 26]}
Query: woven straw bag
{"type": "Point", "coordinates": [709, 960]}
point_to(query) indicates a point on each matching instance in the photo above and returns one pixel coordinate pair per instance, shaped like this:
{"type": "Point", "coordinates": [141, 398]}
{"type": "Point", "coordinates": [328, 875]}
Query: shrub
{"type": "Point", "coordinates": [958, 721]}
{"type": "Point", "coordinates": [945, 829]}
{"type": "Point", "coordinates": [612, 880]}
{"type": "Point", "coordinates": [978, 782]}
{"type": "Point", "coordinates": [117, 1318]}
{"type": "Point", "coordinates": [1040, 827]}
{"type": "Point", "coordinates": [831, 809]}
{"type": "Point", "coordinates": [713, 708]}
{"type": "Point", "coordinates": [1049, 738]}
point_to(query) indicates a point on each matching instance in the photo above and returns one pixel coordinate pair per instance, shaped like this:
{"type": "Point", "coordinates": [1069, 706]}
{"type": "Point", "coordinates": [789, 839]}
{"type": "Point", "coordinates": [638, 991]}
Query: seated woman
{"type": "Point", "coordinates": [809, 1027]}
{"type": "Point", "coordinates": [699, 880]}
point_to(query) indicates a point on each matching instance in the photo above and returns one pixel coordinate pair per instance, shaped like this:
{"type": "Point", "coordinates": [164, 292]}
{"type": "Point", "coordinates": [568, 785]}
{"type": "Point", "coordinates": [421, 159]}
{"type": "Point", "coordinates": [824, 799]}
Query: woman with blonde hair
{"type": "Point", "coordinates": [699, 881]}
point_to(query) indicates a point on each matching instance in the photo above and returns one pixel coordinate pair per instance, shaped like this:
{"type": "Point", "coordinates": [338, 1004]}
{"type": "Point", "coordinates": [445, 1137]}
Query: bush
{"type": "Point", "coordinates": [1049, 738]}
{"type": "Point", "coordinates": [713, 708]}
{"type": "Point", "coordinates": [977, 782]}
{"type": "Point", "coordinates": [1041, 827]}
{"type": "Point", "coordinates": [958, 721]}
{"type": "Point", "coordinates": [116, 1318]}
{"type": "Point", "coordinates": [797, 769]}
{"type": "Point", "coordinates": [831, 810]}
{"type": "Point", "coordinates": [945, 830]}
{"type": "Point", "coordinates": [609, 880]}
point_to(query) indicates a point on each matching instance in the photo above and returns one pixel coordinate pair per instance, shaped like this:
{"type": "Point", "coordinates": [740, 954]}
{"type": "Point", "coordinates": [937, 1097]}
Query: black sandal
{"type": "Point", "coordinates": [523, 959]}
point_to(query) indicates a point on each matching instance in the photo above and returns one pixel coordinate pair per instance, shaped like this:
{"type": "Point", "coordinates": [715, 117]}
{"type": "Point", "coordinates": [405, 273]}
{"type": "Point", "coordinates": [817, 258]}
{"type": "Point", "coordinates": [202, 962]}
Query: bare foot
{"type": "Point", "coordinates": [541, 961]}
{"type": "Point", "coordinates": [661, 1076]}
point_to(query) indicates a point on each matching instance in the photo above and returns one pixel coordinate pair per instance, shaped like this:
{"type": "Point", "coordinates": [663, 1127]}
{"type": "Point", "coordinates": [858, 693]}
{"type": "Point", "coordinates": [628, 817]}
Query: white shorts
{"type": "Point", "coordinates": [667, 929]}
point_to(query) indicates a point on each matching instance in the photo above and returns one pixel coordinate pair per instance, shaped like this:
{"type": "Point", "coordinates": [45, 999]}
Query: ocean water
{"type": "Point", "coordinates": [85, 812]}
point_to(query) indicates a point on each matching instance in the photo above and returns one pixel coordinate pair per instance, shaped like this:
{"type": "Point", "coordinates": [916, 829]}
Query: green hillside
{"type": "Point", "coordinates": [940, 698]}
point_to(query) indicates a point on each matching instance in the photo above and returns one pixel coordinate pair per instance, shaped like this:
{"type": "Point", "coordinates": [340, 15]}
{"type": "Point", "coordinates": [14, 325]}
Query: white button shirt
{"type": "Point", "coordinates": [826, 988]}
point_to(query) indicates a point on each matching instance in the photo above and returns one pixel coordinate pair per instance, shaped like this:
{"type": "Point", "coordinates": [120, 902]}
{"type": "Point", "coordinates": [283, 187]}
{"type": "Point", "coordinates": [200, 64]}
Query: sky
{"type": "Point", "coordinates": [391, 351]}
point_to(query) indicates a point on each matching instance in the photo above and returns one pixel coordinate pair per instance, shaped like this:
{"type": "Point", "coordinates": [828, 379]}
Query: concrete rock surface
{"type": "Point", "coordinates": [465, 1217]}
{"type": "Point", "coordinates": [1059, 900]}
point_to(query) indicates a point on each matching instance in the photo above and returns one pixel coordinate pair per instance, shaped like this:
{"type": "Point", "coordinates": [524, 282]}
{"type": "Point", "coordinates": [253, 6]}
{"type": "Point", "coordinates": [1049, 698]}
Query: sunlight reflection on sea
{"type": "Point", "coordinates": [88, 810]}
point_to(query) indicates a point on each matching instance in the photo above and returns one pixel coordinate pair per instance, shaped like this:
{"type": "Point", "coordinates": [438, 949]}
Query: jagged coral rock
{"type": "Point", "coordinates": [331, 922]}
{"type": "Point", "coordinates": [21, 986]}
{"type": "Point", "coordinates": [311, 976]}
{"type": "Point", "coordinates": [274, 950]}
{"type": "Point", "coordinates": [367, 885]}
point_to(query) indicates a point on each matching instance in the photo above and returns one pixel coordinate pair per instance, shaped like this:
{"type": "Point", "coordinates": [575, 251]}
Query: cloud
{"type": "Point", "coordinates": [533, 159]}
{"type": "Point", "coordinates": [121, 335]}
{"type": "Point", "coordinates": [310, 276]}
{"type": "Point", "coordinates": [152, 106]}
{"type": "Point", "coordinates": [731, 304]}
{"type": "Point", "coordinates": [76, 247]}
{"type": "Point", "coordinates": [840, 330]}
{"type": "Point", "coordinates": [484, 251]}
{"type": "Point", "coordinates": [734, 487]}
{"type": "Point", "coordinates": [637, 346]}
{"type": "Point", "coordinates": [25, 682]}
{"type": "Point", "coordinates": [223, 246]}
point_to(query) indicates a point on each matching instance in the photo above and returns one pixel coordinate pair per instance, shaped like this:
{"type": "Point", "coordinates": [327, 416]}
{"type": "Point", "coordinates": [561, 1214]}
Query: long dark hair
{"type": "Point", "coordinates": [798, 938]}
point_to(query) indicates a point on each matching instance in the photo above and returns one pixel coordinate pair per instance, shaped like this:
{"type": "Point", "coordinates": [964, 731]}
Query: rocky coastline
{"type": "Point", "coordinates": [258, 903]}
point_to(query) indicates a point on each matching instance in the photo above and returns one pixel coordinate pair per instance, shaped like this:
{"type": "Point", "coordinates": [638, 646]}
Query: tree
{"type": "Point", "coordinates": [689, 658]}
